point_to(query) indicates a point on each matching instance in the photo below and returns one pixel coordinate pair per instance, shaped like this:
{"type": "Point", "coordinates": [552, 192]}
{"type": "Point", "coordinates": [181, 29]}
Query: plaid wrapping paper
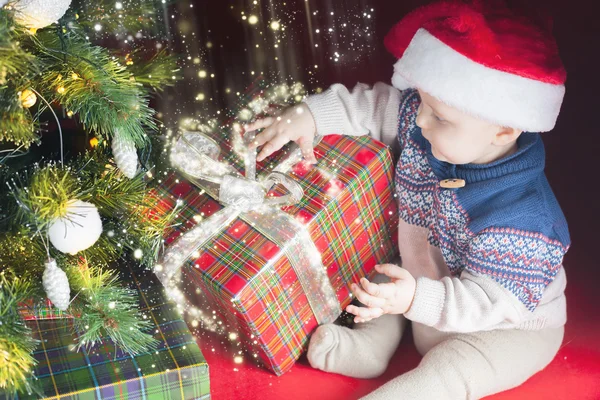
{"type": "Point", "coordinates": [175, 370]}
{"type": "Point", "coordinates": [350, 212]}
{"type": "Point", "coordinates": [44, 309]}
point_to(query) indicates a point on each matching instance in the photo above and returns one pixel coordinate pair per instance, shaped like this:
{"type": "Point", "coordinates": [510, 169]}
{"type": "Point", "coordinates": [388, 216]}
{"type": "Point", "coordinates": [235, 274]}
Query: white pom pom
{"type": "Point", "coordinates": [56, 285]}
{"type": "Point", "coordinates": [40, 13]}
{"type": "Point", "coordinates": [78, 229]}
{"type": "Point", "coordinates": [125, 155]}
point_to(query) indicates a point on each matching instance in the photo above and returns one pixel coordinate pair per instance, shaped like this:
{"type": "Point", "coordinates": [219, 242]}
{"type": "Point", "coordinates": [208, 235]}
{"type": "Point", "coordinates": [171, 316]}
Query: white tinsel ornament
{"type": "Point", "coordinates": [125, 155]}
{"type": "Point", "coordinates": [78, 229]}
{"type": "Point", "coordinates": [56, 285]}
{"type": "Point", "coordinates": [38, 14]}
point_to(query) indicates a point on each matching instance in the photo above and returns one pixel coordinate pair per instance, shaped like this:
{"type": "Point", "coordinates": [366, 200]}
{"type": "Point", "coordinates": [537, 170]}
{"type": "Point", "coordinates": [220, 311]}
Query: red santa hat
{"type": "Point", "coordinates": [483, 58]}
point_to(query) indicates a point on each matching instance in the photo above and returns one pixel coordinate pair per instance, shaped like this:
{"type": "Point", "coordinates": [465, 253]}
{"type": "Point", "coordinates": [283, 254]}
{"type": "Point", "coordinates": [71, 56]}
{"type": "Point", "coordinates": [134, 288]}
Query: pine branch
{"type": "Point", "coordinates": [85, 80]}
{"type": "Point", "coordinates": [108, 309]}
{"type": "Point", "coordinates": [16, 341]}
{"type": "Point", "coordinates": [22, 254]}
{"type": "Point", "coordinates": [14, 60]}
{"type": "Point", "coordinates": [134, 218]}
{"type": "Point", "coordinates": [16, 66]}
{"type": "Point", "coordinates": [46, 196]}
{"type": "Point", "coordinates": [146, 225]}
{"type": "Point", "coordinates": [156, 73]}
{"type": "Point", "coordinates": [104, 252]}
{"type": "Point", "coordinates": [113, 193]}
{"type": "Point", "coordinates": [16, 122]}
{"type": "Point", "coordinates": [133, 15]}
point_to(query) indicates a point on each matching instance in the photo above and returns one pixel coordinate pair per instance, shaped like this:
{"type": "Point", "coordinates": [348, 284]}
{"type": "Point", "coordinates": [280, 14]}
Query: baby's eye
{"type": "Point", "coordinates": [438, 118]}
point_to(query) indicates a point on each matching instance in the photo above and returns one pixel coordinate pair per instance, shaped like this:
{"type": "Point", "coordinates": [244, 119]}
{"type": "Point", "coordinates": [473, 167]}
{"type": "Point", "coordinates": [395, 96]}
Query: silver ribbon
{"type": "Point", "coordinates": [197, 156]}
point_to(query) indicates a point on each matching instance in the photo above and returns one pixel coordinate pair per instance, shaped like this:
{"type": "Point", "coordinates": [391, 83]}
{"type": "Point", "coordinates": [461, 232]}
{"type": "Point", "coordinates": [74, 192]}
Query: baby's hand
{"type": "Point", "coordinates": [385, 298]}
{"type": "Point", "coordinates": [295, 123]}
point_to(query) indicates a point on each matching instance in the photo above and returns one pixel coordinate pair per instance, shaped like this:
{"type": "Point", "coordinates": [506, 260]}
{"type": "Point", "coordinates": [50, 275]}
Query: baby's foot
{"type": "Point", "coordinates": [362, 352]}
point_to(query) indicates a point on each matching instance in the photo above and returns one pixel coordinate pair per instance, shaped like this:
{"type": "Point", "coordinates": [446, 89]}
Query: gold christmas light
{"type": "Point", "coordinates": [27, 98]}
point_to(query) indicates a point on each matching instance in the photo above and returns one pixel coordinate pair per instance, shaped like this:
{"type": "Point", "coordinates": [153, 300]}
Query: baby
{"type": "Point", "coordinates": [481, 235]}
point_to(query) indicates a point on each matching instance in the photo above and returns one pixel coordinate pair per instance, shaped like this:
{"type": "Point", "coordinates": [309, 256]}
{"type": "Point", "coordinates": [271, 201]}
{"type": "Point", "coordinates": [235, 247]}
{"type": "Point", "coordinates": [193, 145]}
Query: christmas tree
{"type": "Point", "coordinates": [66, 219]}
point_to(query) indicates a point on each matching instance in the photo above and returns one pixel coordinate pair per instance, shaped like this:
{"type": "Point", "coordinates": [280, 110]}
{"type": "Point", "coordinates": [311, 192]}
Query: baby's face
{"type": "Point", "coordinates": [456, 137]}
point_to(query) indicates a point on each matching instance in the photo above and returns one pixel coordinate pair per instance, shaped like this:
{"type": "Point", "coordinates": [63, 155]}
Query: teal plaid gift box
{"type": "Point", "coordinates": [176, 369]}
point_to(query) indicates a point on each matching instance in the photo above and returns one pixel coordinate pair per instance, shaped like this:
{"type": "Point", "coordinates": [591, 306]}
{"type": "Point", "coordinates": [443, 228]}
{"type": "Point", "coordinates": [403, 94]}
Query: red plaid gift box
{"type": "Point", "coordinates": [350, 213]}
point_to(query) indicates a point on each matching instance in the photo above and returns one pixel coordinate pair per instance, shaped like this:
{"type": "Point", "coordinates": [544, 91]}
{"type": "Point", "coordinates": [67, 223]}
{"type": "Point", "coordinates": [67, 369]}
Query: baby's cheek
{"type": "Point", "coordinates": [455, 152]}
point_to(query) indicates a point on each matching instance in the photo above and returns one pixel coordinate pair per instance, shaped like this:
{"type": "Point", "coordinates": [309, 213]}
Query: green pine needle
{"type": "Point", "coordinates": [47, 196]}
{"type": "Point", "coordinates": [86, 80]}
{"type": "Point", "coordinates": [105, 308]}
{"type": "Point", "coordinates": [112, 192]}
{"type": "Point", "coordinates": [16, 63]}
{"type": "Point", "coordinates": [16, 341]}
{"type": "Point", "coordinates": [22, 254]}
{"type": "Point", "coordinates": [139, 14]}
{"type": "Point", "coordinates": [14, 60]}
{"type": "Point", "coordinates": [16, 122]}
{"type": "Point", "coordinates": [158, 72]}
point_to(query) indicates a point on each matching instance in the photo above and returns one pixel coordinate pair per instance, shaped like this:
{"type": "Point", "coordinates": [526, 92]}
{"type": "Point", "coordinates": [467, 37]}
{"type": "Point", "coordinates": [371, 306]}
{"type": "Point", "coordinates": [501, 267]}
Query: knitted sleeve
{"type": "Point", "coordinates": [504, 275]}
{"type": "Point", "coordinates": [365, 110]}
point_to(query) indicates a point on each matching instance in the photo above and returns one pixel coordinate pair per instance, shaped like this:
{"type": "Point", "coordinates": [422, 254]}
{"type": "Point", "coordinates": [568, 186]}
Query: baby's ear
{"type": "Point", "coordinates": [506, 136]}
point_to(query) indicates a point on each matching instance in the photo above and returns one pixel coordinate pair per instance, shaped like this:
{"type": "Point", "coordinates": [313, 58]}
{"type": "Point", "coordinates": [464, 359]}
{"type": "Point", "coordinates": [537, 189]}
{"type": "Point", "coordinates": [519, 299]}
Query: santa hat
{"type": "Point", "coordinates": [483, 58]}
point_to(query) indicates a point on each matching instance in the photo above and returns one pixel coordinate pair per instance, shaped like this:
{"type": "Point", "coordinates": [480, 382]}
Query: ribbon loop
{"type": "Point", "coordinates": [295, 190]}
{"type": "Point", "coordinates": [198, 155]}
{"type": "Point", "coordinates": [243, 194]}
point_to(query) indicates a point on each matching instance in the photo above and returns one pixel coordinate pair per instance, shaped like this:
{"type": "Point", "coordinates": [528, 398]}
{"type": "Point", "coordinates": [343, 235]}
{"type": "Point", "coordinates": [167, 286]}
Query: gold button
{"type": "Point", "coordinates": [452, 183]}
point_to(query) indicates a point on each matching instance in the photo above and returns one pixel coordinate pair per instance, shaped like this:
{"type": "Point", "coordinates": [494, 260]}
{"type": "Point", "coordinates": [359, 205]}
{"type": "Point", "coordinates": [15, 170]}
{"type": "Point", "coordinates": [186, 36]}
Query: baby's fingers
{"type": "Point", "coordinates": [264, 137]}
{"type": "Point", "coordinates": [393, 271]}
{"type": "Point", "coordinates": [364, 314]}
{"type": "Point", "coordinates": [259, 123]}
{"type": "Point", "coordinates": [307, 149]}
{"type": "Point", "coordinates": [382, 290]}
{"type": "Point", "coordinates": [365, 298]}
{"type": "Point", "coordinates": [274, 144]}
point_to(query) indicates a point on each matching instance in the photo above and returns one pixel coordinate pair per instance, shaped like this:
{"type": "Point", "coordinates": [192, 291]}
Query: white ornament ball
{"type": "Point", "coordinates": [39, 14]}
{"type": "Point", "coordinates": [56, 285]}
{"type": "Point", "coordinates": [79, 229]}
{"type": "Point", "coordinates": [125, 155]}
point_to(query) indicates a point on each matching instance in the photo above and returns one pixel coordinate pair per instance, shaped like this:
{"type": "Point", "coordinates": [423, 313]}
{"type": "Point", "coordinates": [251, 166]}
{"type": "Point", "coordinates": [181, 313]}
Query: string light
{"type": "Point", "coordinates": [27, 98]}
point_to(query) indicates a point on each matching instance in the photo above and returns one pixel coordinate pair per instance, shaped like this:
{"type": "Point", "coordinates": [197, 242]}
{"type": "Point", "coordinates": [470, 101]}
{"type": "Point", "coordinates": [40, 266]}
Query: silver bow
{"type": "Point", "coordinates": [197, 156]}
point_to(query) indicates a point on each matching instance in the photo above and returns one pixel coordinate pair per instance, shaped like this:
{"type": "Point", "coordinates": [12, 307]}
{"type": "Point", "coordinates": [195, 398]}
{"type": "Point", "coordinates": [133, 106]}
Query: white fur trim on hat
{"type": "Point", "coordinates": [495, 96]}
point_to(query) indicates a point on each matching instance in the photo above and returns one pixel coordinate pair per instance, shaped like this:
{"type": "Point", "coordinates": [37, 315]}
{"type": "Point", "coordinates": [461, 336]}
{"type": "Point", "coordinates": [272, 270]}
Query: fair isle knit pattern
{"type": "Point", "coordinates": [524, 261]}
{"type": "Point", "coordinates": [450, 231]}
{"type": "Point", "coordinates": [415, 181]}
